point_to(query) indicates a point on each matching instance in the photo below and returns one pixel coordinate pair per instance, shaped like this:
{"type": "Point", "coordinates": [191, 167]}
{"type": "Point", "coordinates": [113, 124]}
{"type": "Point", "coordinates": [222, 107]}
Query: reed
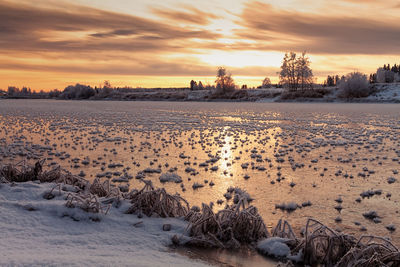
{"type": "Point", "coordinates": [150, 200]}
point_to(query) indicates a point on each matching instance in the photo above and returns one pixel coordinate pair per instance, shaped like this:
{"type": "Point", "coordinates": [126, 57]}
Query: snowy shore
{"type": "Point", "coordinates": [380, 93]}
{"type": "Point", "coordinates": [40, 232]}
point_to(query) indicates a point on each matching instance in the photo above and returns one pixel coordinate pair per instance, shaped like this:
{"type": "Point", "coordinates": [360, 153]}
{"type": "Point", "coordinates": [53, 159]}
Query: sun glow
{"type": "Point", "coordinates": [240, 59]}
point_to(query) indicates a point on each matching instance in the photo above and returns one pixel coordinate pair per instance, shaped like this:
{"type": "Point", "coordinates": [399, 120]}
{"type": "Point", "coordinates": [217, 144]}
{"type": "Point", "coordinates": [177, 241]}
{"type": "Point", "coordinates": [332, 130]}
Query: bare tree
{"type": "Point", "coordinates": [296, 72]}
{"type": "Point", "coordinates": [266, 83]}
{"type": "Point", "coordinates": [200, 86]}
{"type": "Point", "coordinates": [193, 85]}
{"type": "Point", "coordinates": [224, 81]}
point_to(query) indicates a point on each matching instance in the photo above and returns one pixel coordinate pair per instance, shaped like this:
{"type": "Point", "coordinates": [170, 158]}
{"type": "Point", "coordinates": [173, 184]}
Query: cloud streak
{"type": "Point", "coordinates": [316, 33]}
{"type": "Point", "coordinates": [191, 16]}
{"type": "Point", "coordinates": [27, 28]}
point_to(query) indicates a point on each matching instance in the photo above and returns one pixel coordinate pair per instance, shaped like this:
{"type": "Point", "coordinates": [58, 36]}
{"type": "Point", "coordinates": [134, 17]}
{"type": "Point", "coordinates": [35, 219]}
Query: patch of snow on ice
{"type": "Point", "coordinates": [274, 246]}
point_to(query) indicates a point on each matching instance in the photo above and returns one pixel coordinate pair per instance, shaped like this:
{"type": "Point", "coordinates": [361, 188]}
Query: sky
{"type": "Point", "coordinates": [47, 44]}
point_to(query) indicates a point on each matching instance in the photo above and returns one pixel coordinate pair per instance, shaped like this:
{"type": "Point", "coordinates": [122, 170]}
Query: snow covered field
{"type": "Point", "coordinates": [334, 162]}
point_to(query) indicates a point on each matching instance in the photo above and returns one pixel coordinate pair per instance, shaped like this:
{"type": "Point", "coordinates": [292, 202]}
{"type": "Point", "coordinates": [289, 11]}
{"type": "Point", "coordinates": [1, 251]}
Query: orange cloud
{"type": "Point", "coordinates": [46, 40]}
{"type": "Point", "coordinates": [316, 33]}
{"type": "Point", "coordinates": [193, 16]}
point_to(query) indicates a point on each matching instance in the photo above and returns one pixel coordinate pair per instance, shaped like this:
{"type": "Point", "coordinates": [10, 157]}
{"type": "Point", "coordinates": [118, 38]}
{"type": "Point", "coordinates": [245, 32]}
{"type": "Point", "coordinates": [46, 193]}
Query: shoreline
{"type": "Point", "coordinates": [379, 93]}
{"type": "Point", "coordinates": [262, 100]}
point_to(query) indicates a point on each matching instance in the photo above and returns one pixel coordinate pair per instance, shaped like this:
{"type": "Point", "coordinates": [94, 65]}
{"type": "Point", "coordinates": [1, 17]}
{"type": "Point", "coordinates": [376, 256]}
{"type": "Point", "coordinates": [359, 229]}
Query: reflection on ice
{"type": "Point", "coordinates": [301, 157]}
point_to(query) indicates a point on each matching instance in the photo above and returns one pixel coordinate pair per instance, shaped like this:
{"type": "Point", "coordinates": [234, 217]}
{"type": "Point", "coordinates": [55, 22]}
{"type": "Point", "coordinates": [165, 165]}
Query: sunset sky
{"type": "Point", "coordinates": [47, 44]}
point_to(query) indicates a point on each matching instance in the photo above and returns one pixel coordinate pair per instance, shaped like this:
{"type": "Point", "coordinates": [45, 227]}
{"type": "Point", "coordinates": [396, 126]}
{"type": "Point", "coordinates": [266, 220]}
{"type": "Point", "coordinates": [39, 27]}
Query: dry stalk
{"type": "Point", "coordinates": [21, 172]}
{"type": "Point", "coordinates": [231, 227]}
{"type": "Point", "coordinates": [86, 202]}
{"type": "Point", "coordinates": [371, 251]}
{"type": "Point", "coordinates": [151, 201]}
{"type": "Point", "coordinates": [323, 245]}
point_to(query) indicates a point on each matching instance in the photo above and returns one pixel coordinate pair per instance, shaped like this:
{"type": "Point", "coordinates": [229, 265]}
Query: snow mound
{"type": "Point", "coordinates": [274, 246]}
{"type": "Point", "coordinates": [170, 177]}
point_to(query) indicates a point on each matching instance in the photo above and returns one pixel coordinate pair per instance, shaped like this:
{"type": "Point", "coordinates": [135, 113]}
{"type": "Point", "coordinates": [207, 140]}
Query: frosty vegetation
{"type": "Point", "coordinates": [354, 85]}
{"type": "Point", "coordinates": [238, 224]}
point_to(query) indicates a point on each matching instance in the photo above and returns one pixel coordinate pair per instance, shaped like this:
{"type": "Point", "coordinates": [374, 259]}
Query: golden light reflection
{"type": "Point", "coordinates": [226, 156]}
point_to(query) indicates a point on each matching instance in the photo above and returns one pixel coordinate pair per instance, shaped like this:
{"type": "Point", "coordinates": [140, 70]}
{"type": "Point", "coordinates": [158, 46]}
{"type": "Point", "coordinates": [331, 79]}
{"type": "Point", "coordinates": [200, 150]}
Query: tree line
{"type": "Point", "coordinates": [295, 75]}
{"type": "Point", "coordinates": [385, 74]}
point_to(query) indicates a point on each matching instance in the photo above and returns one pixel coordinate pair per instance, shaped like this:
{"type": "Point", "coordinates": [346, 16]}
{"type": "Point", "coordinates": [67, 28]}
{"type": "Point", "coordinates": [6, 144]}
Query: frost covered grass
{"type": "Point", "coordinates": [322, 246]}
{"type": "Point", "coordinates": [103, 215]}
{"type": "Point", "coordinates": [151, 201]}
{"type": "Point", "coordinates": [235, 225]}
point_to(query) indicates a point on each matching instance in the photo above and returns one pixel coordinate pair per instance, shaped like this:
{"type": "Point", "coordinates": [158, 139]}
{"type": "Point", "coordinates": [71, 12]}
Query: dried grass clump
{"type": "Point", "coordinates": [58, 175]}
{"type": "Point", "coordinates": [371, 251]}
{"type": "Point", "coordinates": [103, 189]}
{"type": "Point", "coordinates": [87, 196]}
{"type": "Point", "coordinates": [283, 230]}
{"type": "Point", "coordinates": [231, 227]}
{"type": "Point", "coordinates": [20, 172]}
{"type": "Point", "coordinates": [70, 179]}
{"type": "Point", "coordinates": [151, 201]}
{"type": "Point", "coordinates": [86, 202]}
{"type": "Point", "coordinates": [322, 245]}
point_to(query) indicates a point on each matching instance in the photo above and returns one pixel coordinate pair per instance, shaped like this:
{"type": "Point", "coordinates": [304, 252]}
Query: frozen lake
{"type": "Point", "coordinates": [326, 155]}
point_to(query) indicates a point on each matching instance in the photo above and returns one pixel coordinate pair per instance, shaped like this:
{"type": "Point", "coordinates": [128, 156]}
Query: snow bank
{"type": "Point", "coordinates": [274, 246]}
{"type": "Point", "coordinates": [36, 231]}
{"type": "Point", "coordinates": [386, 92]}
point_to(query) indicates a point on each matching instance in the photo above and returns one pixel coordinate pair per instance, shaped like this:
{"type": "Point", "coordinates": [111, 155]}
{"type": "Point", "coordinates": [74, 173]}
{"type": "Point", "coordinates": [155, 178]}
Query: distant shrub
{"type": "Point", "coordinates": [354, 85]}
{"type": "Point", "coordinates": [77, 91]}
{"type": "Point", "coordinates": [266, 83]}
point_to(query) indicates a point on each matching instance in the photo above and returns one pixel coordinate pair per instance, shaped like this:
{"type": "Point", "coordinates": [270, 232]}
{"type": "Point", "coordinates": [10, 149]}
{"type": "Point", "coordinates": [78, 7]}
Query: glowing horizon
{"type": "Point", "coordinates": [144, 43]}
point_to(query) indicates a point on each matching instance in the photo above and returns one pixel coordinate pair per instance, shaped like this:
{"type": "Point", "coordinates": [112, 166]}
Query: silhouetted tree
{"type": "Point", "coordinates": [395, 69]}
{"type": "Point", "coordinates": [12, 91]}
{"type": "Point", "coordinates": [200, 86]}
{"type": "Point", "coordinates": [372, 78]}
{"type": "Point", "coordinates": [193, 85]}
{"type": "Point", "coordinates": [337, 79]}
{"type": "Point", "coordinates": [330, 81]}
{"type": "Point", "coordinates": [224, 82]}
{"type": "Point", "coordinates": [54, 93]}
{"type": "Point", "coordinates": [296, 72]}
{"type": "Point", "coordinates": [266, 83]}
{"type": "Point", "coordinates": [107, 84]}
